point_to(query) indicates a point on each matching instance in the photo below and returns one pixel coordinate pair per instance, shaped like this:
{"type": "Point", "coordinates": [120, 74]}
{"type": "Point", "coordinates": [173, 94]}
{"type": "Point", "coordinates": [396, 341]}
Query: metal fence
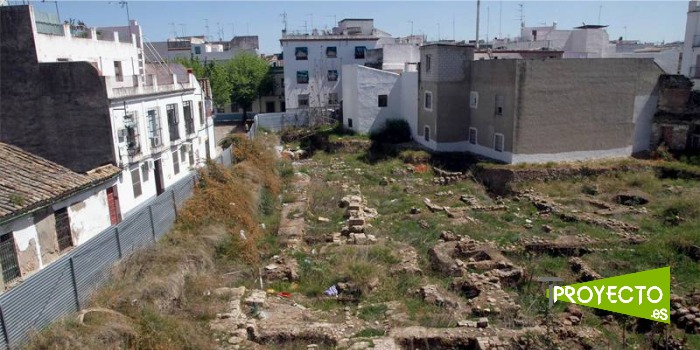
{"type": "Point", "coordinates": [278, 121]}
{"type": "Point", "coordinates": [66, 285]}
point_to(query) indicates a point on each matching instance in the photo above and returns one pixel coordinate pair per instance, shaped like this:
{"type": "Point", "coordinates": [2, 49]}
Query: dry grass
{"type": "Point", "coordinates": [162, 291]}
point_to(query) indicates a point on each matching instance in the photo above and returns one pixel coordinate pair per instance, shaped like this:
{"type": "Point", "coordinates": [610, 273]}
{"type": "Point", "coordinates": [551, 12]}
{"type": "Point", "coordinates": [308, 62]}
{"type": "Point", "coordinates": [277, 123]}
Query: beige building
{"type": "Point", "coordinates": [519, 110]}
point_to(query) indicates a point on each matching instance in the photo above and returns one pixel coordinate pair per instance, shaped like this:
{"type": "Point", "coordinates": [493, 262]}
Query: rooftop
{"type": "Point", "coordinates": [31, 182]}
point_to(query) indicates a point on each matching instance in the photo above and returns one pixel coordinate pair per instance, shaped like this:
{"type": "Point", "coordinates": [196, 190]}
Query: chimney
{"type": "Point", "coordinates": [478, 5]}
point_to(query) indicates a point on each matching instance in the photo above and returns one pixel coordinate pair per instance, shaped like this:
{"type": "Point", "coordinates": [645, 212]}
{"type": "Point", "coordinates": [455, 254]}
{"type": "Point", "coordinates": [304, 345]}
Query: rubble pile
{"type": "Point", "coordinates": [356, 214]}
{"type": "Point", "coordinates": [456, 258]}
{"type": "Point", "coordinates": [585, 273]}
{"type": "Point", "coordinates": [485, 296]}
{"type": "Point", "coordinates": [409, 261]}
{"type": "Point", "coordinates": [687, 318]}
{"type": "Point", "coordinates": [568, 245]}
{"type": "Point", "coordinates": [282, 268]}
{"type": "Point", "coordinates": [432, 294]}
{"type": "Point", "coordinates": [443, 177]}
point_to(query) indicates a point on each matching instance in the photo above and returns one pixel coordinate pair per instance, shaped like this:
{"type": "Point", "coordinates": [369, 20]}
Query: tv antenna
{"type": "Point", "coordinates": [522, 15]}
{"type": "Point", "coordinates": [284, 21]}
{"type": "Point", "coordinates": [206, 27]}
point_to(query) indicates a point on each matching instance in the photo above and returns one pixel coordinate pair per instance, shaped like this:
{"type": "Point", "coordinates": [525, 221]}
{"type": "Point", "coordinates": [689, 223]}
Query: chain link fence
{"type": "Point", "coordinates": [66, 285]}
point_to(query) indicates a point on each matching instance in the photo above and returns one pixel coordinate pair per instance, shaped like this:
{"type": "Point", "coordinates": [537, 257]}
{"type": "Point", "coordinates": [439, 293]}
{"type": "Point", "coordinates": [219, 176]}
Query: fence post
{"type": "Point", "coordinates": [75, 284]}
{"type": "Point", "coordinates": [119, 243]}
{"type": "Point", "coordinates": [153, 224]}
{"type": "Point", "coordinates": [172, 192]}
{"type": "Point", "coordinates": [4, 327]}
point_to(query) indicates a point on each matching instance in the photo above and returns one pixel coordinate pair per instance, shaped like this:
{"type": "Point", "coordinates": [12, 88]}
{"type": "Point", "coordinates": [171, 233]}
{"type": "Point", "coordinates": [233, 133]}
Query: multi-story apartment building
{"type": "Point", "coordinates": [312, 63]}
{"type": "Point", "coordinates": [86, 97]}
{"type": "Point", "coordinates": [690, 63]}
{"type": "Point", "coordinates": [534, 111]}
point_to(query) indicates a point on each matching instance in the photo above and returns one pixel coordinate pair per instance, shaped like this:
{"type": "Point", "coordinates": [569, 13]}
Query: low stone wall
{"type": "Point", "coordinates": [500, 180]}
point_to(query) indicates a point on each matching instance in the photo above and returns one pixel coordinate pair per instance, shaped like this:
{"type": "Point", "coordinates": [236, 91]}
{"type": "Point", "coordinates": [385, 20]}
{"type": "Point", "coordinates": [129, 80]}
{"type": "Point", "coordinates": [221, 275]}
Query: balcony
{"type": "Point", "coordinates": [136, 85]}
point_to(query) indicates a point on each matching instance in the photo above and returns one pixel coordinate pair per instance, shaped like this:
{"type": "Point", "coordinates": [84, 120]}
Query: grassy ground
{"type": "Point", "coordinates": [668, 198]}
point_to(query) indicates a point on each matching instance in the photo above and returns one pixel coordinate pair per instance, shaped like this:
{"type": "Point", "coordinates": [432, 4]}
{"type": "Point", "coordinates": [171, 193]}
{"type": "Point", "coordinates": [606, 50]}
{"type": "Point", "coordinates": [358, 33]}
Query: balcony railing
{"type": "Point", "coordinates": [135, 85]}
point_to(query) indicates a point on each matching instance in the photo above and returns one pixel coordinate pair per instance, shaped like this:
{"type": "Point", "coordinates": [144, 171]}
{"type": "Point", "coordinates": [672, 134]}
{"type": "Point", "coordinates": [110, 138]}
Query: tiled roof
{"type": "Point", "coordinates": [29, 182]}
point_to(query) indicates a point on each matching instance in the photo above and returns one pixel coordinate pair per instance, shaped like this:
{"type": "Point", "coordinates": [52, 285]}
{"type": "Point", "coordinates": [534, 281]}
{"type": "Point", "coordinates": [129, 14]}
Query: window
{"type": "Point", "coordinates": [191, 157]}
{"type": "Point", "coordinates": [426, 133]}
{"type": "Point", "coordinates": [201, 113]}
{"type": "Point", "coordinates": [197, 50]}
{"type": "Point", "coordinates": [498, 142]}
{"type": "Point", "coordinates": [189, 118]}
{"type": "Point", "coordinates": [360, 52]}
{"type": "Point", "coordinates": [270, 107]}
{"type": "Point", "coordinates": [183, 154]}
{"type": "Point", "coordinates": [173, 121]}
{"type": "Point", "coordinates": [118, 73]}
{"type": "Point", "coordinates": [136, 182]}
{"type": "Point", "coordinates": [383, 100]}
{"type": "Point", "coordinates": [331, 52]}
{"type": "Point", "coordinates": [332, 75]}
{"type": "Point", "coordinates": [427, 63]}
{"type": "Point", "coordinates": [133, 146]}
{"type": "Point", "coordinates": [303, 100]}
{"type": "Point", "coordinates": [283, 106]}
{"type": "Point", "coordinates": [176, 162]}
{"type": "Point", "coordinates": [302, 77]}
{"type": "Point", "coordinates": [8, 258]}
{"type": "Point", "coordinates": [428, 101]}
{"type": "Point", "coordinates": [63, 232]}
{"type": "Point", "coordinates": [145, 172]}
{"type": "Point", "coordinates": [472, 136]}
{"type": "Point", "coordinates": [499, 104]}
{"type": "Point", "coordinates": [301, 53]}
{"type": "Point", "coordinates": [474, 99]}
{"type": "Point", "coordinates": [154, 128]}
{"type": "Point", "coordinates": [220, 109]}
{"type": "Point", "coordinates": [350, 123]}
{"type": "Point", "coordinates": [333, 98]}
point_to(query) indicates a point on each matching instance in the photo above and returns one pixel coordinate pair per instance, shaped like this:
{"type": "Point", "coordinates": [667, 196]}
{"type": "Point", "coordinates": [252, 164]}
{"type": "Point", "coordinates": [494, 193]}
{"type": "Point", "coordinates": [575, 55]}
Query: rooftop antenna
{"type": "Point", "coordinates": [206, 26]}
{"type": "Point", "coordinates": [500, 15]}
{"type": "Point", "coordinates": [335, 20]}
{"type": "Point", "coordinates": [488, 22]}
{"type": "Point", "coordinates": [453, 28]}
{"type": "Point", "coordinates": [311, 19]}
{"type": "Point", "coordinates": [172, 27]}
{"type": "Point", "coordinates": [411, 27]}
{"type": "Point", "coordinates": [439, 36]}
{"type": "Point", "coordinates": [600, 9]}
{"type": "Point", "coordinates": [478, 6]}
{"type": "Point", "coordinates": [233, 29]}
{"type": "Point", "coordinates": [284, 21]}
{"type": "Point", "coordinates": [522, 15]}
{"type": "Point", "coordinates": [183, 27]}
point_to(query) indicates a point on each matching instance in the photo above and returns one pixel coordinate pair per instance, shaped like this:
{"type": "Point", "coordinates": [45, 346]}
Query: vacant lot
{"type": "Point", "coordinates": [376, 247]}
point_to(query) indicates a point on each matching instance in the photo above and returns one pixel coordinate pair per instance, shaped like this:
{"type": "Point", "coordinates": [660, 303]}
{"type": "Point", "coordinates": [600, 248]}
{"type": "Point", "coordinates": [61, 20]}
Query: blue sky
{"type": "Point", "coordinates": [652, 21]}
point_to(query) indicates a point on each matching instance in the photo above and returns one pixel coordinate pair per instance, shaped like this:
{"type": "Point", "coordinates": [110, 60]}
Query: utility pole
{"type": "Point", "coordinates": [478, 7]}
{"type": "Point", "coordinates": [182, 28]}
{"type": "Point", "coordinates": [488, 23]}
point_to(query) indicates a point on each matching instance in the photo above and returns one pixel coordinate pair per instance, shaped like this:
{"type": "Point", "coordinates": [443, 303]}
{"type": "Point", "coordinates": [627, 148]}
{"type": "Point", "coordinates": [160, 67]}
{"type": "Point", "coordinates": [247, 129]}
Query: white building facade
{"type": "Point", "coordinates": [372, 96]}
{"type": "Point", "coordinates": [161, 129]}
{"type": "Point", "coordinates": [690, 64]}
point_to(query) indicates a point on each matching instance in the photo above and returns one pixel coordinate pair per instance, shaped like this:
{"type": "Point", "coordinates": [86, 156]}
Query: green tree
{"type": "Point", "coordinates": [217, 75]}
{"type": "Point", "coordinates": [249, 76]}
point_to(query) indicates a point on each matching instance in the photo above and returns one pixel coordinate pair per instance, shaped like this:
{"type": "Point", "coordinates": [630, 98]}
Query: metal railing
{"type": "Point", "coordinates": [66, 285]}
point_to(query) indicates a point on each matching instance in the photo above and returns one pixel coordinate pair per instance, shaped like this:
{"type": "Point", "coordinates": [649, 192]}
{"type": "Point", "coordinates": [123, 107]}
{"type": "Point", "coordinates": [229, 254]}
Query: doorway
{"type": "Point", "coordinates": [115, 215]}
{"type": "Point", "coordinates": [158, 175]}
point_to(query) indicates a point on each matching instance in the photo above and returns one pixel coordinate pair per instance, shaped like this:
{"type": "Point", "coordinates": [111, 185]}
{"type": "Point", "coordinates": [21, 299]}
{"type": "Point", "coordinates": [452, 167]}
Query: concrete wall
{"type": "Point", "coordinates": [317, 65]}
{"type": "Point", "coordinates": [583, 105]}
{"type": "Point", "coordinates": [55, 110]}
{"type": "Point", "coordinates": [409, 100]}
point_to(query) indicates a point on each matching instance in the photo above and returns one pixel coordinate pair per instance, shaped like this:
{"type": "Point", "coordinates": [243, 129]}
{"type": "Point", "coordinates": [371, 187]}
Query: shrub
{"type": "Point", "coordinates": [414, 157]}
{"type": "Point", "coordinates": [394, 131]}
